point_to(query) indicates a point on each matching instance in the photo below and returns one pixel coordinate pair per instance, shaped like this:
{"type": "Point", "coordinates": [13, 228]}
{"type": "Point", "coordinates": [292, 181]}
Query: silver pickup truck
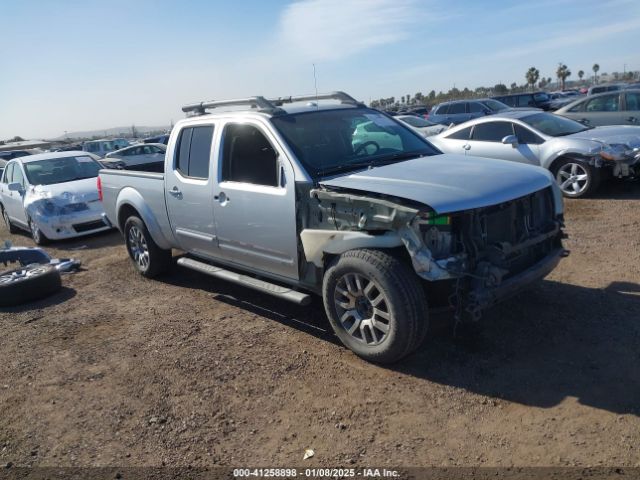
{"type": "Point", "coordinates": [322, 195]}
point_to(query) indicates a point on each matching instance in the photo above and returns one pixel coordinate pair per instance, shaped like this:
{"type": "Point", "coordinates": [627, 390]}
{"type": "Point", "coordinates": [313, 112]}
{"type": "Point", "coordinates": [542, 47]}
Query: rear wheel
{"type": "Point", "coordinates": [375, 304]}
{"type": "Point", "coordinates": [577, 179]}
{"type": "Point", "coordinates": [148, 258]}
{"type": "Point", "coordinates": [7, 221]}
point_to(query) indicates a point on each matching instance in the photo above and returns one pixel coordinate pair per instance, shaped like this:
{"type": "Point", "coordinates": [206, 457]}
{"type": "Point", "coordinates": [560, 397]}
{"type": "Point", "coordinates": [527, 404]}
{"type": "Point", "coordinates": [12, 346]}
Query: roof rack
{"type": "Point", "coordinates": [267, 105]}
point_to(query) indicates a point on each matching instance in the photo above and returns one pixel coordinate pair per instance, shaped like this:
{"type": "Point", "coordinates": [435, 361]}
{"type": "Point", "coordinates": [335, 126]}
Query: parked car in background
{"type": "Point", "coordinates": [420, 111]}
{"type": "Point", "coordinates": [102, 147]}
{"type": "Point", "coordinates": [459, 111]}
{"type": "Point", "coordinates": [423, 126]}
{"type": "Point", "coordinates": [52, 195]}
{"type": "Point", "coordinates": [164, 139]}
{"type": "Point", "coordinates": [11, 154]}
{"type": "Point", "coordinates": [578, 156]}
{"type": "Point", "coordinates": [525, 100]}
{"type": "Point", "coordinates": [612, 87]}
{"type": "Point", "coordinates": [299, 211]}
{"type": "Point", "coordinates": [620, 107]}
{"type": "Point", "coordinates": [144, 157]}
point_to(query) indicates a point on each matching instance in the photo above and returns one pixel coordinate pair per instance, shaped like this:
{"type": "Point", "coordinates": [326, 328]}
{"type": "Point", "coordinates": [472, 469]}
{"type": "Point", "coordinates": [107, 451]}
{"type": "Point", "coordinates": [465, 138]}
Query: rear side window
{"type": "Point", "coordinates": [633, 101]}
{"type": "Point", "coordinates": [7, 173]}
{"type": "Point", "coordinates": [475, 107]}
{"type": "Point", "coordinates": [525, 100]}
{"type": "Point", "coordinates": [456, 108]}
{"type": "Point", "coordinates": [442, 109]}
{"type": "Point", "coordinates": [194, 151]}
{"type": "Point", "coordinates": [461, 134]}
{"type": "Point", "coordinates": [606, 103]}
{"type": "Point", "coordinates": [492, 131]}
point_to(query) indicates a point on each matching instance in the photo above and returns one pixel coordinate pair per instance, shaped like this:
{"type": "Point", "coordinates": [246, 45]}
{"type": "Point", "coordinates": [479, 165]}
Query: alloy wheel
{"type": "Point", "coordinates": [363, 309]}
{"type": "Point", "coordinates": [573, 178]}
{"type": "Point", "coordinates": [138, 247]}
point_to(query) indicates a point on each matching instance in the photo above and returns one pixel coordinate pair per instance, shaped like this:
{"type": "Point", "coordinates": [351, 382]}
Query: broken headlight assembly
{"type": "Point", "coordinates": [436, 233]}
{"type": "Point", "coordinates": [615, 152]}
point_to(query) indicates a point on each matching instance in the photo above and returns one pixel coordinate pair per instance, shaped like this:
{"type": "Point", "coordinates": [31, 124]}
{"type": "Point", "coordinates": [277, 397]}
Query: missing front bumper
{"type": "Point", "coordinates": [483, 297]}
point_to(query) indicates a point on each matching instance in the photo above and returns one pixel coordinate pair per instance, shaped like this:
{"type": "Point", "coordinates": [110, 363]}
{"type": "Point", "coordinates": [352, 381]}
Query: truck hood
{"type": "Point", "coordinates": [615, 134]}
{"type": "Point", "coordinates": [448, 183]}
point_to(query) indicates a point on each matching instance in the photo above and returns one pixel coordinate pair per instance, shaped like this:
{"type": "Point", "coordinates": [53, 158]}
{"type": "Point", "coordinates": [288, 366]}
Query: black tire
{"type": "Point", "coordinates": [31, 283]}
{"type": "Point", "coordinates": [402, 295]}
{"type": "Point", "coordinates": [140, 245]}
{"type": "Point", "coordinates": [37, 235]}
{"type": "Point", "coordinates": [586, 188]}
{"type": "Point", "coordinates": [7, 222]}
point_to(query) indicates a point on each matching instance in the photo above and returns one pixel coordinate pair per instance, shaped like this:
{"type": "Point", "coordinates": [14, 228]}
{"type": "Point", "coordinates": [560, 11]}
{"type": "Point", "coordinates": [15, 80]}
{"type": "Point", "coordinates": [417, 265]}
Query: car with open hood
{"type": "Point", "coordinates": [578, 156]}
{"type": "Point", "coordinates": [290, 197]}
{"type": "Point", "coordinates": [52, 195]}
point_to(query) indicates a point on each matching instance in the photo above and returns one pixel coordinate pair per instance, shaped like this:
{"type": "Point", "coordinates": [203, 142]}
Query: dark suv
{"type": "Point", "coordinates": [460, 111]}
{"type": "Point", "coordinates": [524, 100]}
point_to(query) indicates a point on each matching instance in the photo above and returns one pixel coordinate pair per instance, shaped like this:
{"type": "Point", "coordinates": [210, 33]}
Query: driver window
{"type": "Point", "coordinates": [18, 177]}
{"type": "Point", "coordinates": [491, 131]}
{"type": "Point", "coordinates": [7, 173]}
{"type": "Point", "coordinates": [248, 156]}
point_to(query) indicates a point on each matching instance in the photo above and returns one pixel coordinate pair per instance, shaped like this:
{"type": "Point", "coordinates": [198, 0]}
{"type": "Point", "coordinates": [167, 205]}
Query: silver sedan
{"type": "Point", "coordinates": [422, 126]}
{"type": "Point", "coordinates": [146, 154]}
{"type": "Point", "coordinates": [578, 156]}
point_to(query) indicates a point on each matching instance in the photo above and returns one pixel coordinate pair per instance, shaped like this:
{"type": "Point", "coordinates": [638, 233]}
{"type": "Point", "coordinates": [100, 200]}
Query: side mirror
{"type": "Point", "coordinates": [510, 140]}
{"type": "Point", "coordinates": [15, 187]}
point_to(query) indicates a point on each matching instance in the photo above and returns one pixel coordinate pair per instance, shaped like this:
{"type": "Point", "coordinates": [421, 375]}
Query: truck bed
{"type": "Point", "coordinates": [141, 190]}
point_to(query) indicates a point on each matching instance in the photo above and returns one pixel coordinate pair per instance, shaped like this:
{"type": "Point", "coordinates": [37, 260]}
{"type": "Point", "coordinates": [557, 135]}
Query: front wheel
{"type": "Point", "coordinates": [375, 304]}
{"type": "Point", "coordinates": [148, 258]}
{"type": "Point", "coordinates": [576, 179]}
{"type": "Point", "coordinates": [37, 234]}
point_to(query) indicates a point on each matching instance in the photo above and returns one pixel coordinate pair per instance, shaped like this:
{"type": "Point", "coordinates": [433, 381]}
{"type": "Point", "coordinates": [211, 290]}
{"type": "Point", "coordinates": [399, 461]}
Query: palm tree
{"type": "Point", "coordinates": [562, 73]}
{"type": "Point", "coordinates": [532, 76]}
{"type": "Point", "coordinates": [580, 75]}
{"type": "Point", "coordinates": [595, 69]}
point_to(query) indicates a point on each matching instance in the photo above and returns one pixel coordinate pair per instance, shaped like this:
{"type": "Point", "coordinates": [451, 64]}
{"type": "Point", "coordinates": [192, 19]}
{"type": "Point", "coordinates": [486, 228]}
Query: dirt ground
{"type": "Point", "coordinates": [188, 370]}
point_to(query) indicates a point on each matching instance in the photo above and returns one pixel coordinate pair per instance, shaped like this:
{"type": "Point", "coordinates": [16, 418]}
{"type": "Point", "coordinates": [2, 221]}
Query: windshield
{"type": "Point", "coordinates": [553, 125]}
{"type": "Point", "coordinates": [333, 141]}
{"type": "Point", "coordinates": [495, 106]}
{"type": "Point", "coordinates": [60, 170]}
{"type": "Point", "coordinates": [417, 122]}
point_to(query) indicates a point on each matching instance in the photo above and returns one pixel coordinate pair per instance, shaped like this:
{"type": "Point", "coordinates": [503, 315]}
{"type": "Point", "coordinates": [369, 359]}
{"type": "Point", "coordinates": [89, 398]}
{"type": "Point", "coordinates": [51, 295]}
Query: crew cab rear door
{"type": "Point", "coordinates": [254, 200]}
{"type": "Point", "coordinates": [189, 188]}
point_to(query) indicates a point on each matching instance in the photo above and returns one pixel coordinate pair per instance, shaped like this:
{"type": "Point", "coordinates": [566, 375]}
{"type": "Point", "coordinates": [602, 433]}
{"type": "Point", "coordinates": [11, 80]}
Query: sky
{"type": "Point", "coordinates": [77, 65]}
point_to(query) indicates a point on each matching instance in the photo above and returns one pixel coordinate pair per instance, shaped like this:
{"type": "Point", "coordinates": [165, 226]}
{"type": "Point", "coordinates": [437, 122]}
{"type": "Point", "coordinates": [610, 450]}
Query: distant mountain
{"type": "Point", "coordinates": [113, 132]}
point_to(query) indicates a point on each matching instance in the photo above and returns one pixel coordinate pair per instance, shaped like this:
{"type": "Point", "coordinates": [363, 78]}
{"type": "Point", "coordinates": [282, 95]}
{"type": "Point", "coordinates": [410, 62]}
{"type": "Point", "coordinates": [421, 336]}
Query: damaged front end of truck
{"type": "Point", "coordinates": [482, 255]}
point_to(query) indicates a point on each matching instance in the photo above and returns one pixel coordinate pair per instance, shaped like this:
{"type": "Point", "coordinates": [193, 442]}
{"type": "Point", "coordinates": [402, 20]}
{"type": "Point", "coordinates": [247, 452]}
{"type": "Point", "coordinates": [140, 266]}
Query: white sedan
{"type": "Point", "coordinates": [52, 195]}
{"type": "Point", "coordinates": [423, 126]}
{"type": "Point", "coordinates": [144, 156]}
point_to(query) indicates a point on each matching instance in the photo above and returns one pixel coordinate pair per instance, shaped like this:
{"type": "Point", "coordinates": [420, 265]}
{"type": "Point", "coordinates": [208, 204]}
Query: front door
{"type": "Point", "coordinates": [189, 190]}
{"type": "Point", "coordinates": [486, 141]}
{"type": "Point", "coordinates": [254, 201]}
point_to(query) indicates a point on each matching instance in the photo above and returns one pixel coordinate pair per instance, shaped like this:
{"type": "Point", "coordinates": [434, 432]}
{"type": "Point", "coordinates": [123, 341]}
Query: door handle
{"type": "Point", "coordinates": [467, 146]}
{"type": "Point", "coordinates": [222, 198]}
{"type": "Point", "coordinates": [175, 191]}
{"type": "Point", "coordinates": [632, 119]}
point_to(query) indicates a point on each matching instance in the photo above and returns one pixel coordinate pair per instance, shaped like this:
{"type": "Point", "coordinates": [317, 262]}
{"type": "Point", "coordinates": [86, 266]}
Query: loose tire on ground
{"type": "Point", "coordinates": [29, 283]}
{"type": "Point", "coordinates": [149, 259]}
{"type": "Point", "coordinates": [587, 178]}
{"type": "Point", "coordinates": [375, 304]}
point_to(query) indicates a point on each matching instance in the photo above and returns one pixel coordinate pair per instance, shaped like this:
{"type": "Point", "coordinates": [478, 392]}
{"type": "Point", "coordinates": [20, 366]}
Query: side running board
{"type": "Point", "coordinates": [279, 291]}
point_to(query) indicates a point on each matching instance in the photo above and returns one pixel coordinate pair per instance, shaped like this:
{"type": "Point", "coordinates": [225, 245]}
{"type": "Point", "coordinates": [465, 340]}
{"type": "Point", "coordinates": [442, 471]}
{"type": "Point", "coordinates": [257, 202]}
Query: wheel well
{"type": "Point", "coordinates": [125, 212]}
{"type": "Point", "coordinates": [575, 158]}
{"type": "Point", "coordinates": [400, 253]}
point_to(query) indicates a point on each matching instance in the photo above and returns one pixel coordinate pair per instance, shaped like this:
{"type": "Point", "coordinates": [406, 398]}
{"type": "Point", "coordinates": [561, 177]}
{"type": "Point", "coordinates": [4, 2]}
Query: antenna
{"type": "Point", "coordinates": [315, 83]}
